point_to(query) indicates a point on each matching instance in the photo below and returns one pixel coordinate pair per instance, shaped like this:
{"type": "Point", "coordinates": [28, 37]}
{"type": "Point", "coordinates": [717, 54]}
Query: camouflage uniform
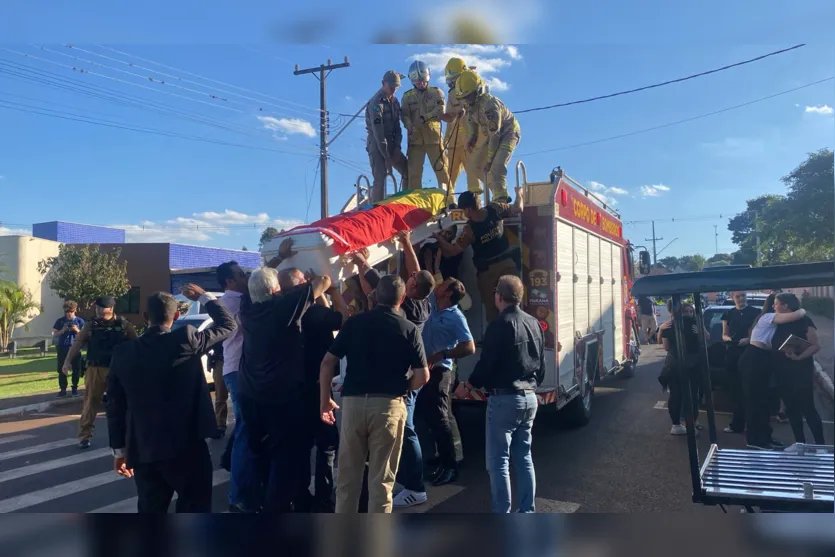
{"type": "Point", "coordinates": [503, 133]}
{"type": "Point", "coordinates": [382, 121]}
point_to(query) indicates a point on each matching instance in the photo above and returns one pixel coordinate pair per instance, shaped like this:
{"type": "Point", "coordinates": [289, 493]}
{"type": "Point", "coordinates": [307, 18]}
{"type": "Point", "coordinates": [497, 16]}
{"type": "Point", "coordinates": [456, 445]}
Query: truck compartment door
{"type": "Point", "coordinates": [606, 300]}
{"type": "Point", "coordinates": [581, 287]}
{"type": "Point", "coordinates": [595, 321]}
{"type": "Point", "coordinates": [565, 302]}
{"type": "Point", "coordinates": [618, 302]}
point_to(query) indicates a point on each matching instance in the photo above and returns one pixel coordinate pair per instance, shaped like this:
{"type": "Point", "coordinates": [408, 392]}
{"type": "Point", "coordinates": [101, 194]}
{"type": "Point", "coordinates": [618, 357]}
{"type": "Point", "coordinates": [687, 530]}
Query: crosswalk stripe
{"type": "Point", "coordinates": [14, 438]}
{"type": "Point", "coordinates": [129, 505]}
{"type": "Point", "coordinates": [43, 495]}
{"type": "Point", "coordinates": [52, 464]}
{"type": "Point", "coordinates": [37, 449]}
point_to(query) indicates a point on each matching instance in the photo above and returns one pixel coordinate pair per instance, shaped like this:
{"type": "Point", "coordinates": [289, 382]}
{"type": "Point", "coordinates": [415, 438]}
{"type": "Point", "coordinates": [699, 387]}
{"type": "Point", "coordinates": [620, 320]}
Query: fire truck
{"type": "Point", "coordinates": [577, 269]}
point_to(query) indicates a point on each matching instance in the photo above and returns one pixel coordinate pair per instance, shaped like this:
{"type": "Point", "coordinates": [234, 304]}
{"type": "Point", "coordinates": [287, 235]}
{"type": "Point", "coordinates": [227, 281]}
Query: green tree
{"type": "Point", "coordinates": [16, 308]}
{"type": "Point", "coordinates": [669, 262]}
{"type": "Point", "coordinates": [83, 273]}
{"type": "Point", "coordinates": [693, 263]}
{"type": "Point", "coordinates": [797, 227]}
{"type": "Point", "coordinates": [720, 259]}
{"type": "Point", "coordinates": [244, 249]}
{"type": "Point", "coordinates": [268, 234]}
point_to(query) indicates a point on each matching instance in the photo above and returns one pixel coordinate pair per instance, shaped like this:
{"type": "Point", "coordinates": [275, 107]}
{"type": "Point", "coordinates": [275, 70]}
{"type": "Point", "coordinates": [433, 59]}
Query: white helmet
{"type": "Point", "coordinates": [419, 71]}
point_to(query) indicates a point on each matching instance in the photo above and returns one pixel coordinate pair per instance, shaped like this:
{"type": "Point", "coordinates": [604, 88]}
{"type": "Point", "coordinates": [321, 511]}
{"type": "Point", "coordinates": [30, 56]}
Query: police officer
{"type": "Point", "coordinates": [101, 334]}
{"type": "Point", "coordinates": [382, 121]}
{"type": "Point", "coordinates": [457, 132]}
{"type": "Point", "coordinates": [423, 109]}
{"type": "Point", "coordinates": [487, 112]}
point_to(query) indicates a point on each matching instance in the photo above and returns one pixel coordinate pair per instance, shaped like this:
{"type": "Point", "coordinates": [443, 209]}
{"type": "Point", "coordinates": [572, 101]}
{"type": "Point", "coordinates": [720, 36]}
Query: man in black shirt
{"type": "Point", "coordinates": [272, 384]}
{"type": "Point", "coordinates": [382, 347]}
{"type": "Point", "coordinates": [511, 366]}
{"type": "Point", "coordinates": [736, 325]}
{"type": "Point", "coordinates": [319, 323]}
{"type": "Point", "coordinates": [646, 318]}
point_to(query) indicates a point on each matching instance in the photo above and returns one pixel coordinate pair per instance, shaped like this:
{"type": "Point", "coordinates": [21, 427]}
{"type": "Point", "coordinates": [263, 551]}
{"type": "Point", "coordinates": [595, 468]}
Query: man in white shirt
{"type": "Point", "coordinates": [244, 483]}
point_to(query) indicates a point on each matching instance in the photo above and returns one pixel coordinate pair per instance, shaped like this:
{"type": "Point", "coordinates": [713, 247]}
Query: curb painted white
{"type": "Point", "coordinates": [39, 407]}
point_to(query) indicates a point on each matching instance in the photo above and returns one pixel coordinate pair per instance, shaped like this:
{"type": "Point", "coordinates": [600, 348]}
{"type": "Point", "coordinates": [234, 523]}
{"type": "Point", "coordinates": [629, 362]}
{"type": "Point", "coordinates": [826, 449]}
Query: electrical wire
{"type": "Point", "coordinates": [677, 122]}
{"type": "Point", "coordinates": [683, 219]}
{"type": "Point", "coordinates": [21, 107]}
{"type": "Point", "coordinates": [124, 99]}
{"type": "Point", "coordinates": [316, 110]}
{"type": "Point", "coordinates": [184, 80]}
{"type": "Point", "coordinates": [656, 85]}
{"type": "Point", "coordinates": [310, 197]}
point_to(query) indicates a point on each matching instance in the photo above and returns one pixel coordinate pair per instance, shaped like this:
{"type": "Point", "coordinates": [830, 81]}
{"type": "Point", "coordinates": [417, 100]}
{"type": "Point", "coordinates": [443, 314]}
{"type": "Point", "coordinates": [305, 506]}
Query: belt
{"type": "Point", "coordinates": [500, 392]}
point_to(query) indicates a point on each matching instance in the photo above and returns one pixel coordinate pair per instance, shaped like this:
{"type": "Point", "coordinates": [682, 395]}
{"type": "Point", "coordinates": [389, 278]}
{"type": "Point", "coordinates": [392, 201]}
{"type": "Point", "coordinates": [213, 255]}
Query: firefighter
{"type": "Point", "coordinates": [457, 134]}
{"type": "Point", "coordinates": [382, 122]}
{"type": "Point", "coordinates": [101, 334]}
{"type": "Point", "coordinates": [423, 109]}
{"type": "Point", "coordinates": [486, 112]}
{"type": "Point", "coordinates": [493, 254]}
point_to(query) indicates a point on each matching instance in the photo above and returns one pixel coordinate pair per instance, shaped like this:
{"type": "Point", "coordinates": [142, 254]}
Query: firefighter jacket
{"type": "Point", "coordinates": [490, 114]}
{"type": "Point", "coordinates": [422, 111]}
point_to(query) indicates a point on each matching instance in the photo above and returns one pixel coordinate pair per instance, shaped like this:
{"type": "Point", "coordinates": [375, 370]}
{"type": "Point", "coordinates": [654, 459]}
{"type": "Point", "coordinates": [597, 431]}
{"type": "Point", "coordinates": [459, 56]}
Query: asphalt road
{"type": "Point", "coordinates": [625, 460]}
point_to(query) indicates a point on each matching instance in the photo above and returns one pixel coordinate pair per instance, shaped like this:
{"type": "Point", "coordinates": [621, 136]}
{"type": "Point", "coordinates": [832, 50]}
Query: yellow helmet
{"type": "Point", "coordinates": [454, 67]}
{"type": "Point", "coordinates": [468, 83]}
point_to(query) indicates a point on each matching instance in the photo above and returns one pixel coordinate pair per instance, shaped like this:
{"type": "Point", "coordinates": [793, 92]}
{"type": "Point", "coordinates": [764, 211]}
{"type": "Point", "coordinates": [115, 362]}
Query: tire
{"type": "Point", "coordinates": [578, 412]}
{"type": "Point", "coordinates": [627, 371]}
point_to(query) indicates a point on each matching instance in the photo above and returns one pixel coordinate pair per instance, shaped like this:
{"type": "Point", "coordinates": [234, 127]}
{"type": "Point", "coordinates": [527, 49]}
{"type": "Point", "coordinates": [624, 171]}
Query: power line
{"type": "Point", "coordinates": [123, 99]}
{"type": "Point", "coordinates": [677, 122]}
{"type": "Point", "coordinates": [316, 110]}
{"type": "Point", "coordinates": [198, 84]}
{"type": "Point", "coordinates": [110, 124]}
{"type": "Point", "coordinates": [682, 219]}
{"type": "Point", "coordinates": [310, 197]}
{"type": "Point", "coordinates": [670, 82]}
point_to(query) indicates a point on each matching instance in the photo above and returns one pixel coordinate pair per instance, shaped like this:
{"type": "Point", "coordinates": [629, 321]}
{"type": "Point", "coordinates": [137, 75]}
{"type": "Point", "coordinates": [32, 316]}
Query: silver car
{"type": "Point", "coordinates": [199, 321]}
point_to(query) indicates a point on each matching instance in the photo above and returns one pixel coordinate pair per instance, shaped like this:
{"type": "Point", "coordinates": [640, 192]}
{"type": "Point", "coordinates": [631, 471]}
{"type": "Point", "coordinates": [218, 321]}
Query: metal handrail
{"type": "Point", "coordinates": [360, 188]}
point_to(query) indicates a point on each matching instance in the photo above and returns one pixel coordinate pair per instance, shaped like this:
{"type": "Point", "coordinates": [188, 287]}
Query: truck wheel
{"type": "Point", "coordinates": [578, 411]}
{"type": "Point", "coordinates": [627, 371]}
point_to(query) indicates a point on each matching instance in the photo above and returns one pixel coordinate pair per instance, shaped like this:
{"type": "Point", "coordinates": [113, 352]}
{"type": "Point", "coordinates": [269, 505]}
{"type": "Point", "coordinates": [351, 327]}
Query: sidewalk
{"type": "Point", "coordinates": [36, 403]}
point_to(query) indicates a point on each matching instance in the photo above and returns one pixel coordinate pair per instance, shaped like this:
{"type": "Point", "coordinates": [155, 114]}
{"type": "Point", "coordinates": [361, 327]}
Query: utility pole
{"type": "Point", "coordinates": [654, 240]}
{"type": "Point", "coordinates": [323, 71]}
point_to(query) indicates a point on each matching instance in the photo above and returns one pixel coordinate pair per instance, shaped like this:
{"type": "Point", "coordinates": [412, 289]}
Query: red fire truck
{"type": "Point", "coordinates": [578, 271]}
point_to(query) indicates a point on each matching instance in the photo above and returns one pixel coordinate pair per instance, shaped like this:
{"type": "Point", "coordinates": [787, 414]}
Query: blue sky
{"type": "Point", "coordinates": [68, 170]}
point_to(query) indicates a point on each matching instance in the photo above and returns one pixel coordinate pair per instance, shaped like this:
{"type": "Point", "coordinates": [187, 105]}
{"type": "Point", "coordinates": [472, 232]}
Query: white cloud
{"type": "Point", "coordinates": [488, 60]}
{"type": "Point", "coordinates": [606, 193]}
{"type": "Point", "coordinates": [201, 227]}
{"type": "Point", "coordinates": [349, 98]}
{"type": "Point", "coordinates": [821, 109]}
{"type": "Point", "coordinates": [654, 191]}
{"type": "Point", "coordinates": [14, 231]}
{"type": "Point", "coordinates": [288, 126]}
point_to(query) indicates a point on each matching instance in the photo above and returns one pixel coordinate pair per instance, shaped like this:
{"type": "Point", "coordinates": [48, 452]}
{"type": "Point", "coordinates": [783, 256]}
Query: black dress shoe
{"type": "Point", "coordinates": [218, 434]}
{"type": "Point", "coordinates": [435, 473]}
{"type": "Point", "coordinates": [84, 444]}
{"type": "Point", "coordinates": [447, 475]}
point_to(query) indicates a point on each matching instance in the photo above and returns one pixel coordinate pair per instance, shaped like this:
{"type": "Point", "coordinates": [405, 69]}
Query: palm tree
{"type": "Point", "coordinates": [16, 308]}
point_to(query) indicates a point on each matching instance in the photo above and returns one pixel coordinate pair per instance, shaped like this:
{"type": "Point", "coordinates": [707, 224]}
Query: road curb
{"type": "Point", "coordinates": [37, 407]}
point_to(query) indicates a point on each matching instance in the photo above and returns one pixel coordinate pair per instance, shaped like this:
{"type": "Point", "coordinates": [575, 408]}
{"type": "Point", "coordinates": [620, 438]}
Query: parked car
{"type": "Point", "coordinates": [195, 308]}
{"type": "Point", "coordinates": [199, 321]}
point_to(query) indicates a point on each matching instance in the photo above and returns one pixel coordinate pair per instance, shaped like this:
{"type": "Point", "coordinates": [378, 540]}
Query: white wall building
{"type": "Point", "coordinates": [21, 254]}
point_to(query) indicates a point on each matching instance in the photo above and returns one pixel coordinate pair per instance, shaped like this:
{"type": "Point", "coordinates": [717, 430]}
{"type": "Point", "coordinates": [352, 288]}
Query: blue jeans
{"type": "Point", "coordinates": [410, 471]}
{"type": "Point", "coordinates": [509, 422]}
{"type": "Point", "coordinates": [243, 481]}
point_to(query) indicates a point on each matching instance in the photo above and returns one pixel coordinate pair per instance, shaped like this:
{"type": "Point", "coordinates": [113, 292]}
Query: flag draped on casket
{"type": "Point", "coordinates": [365, 227]}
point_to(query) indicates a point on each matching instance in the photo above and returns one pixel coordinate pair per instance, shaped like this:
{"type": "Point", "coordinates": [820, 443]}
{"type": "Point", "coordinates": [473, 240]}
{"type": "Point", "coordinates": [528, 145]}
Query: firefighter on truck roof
{"type": "Point", "coordinates": [493, 255]}
{"type": "Point", "coordinates": [487, 112]}
{"type": "Point", "coordinates": [423, 108]}
{"type": "Point", "coordinates": [382, 122]}
{"type": "Point", "coordinates": [457, 133]}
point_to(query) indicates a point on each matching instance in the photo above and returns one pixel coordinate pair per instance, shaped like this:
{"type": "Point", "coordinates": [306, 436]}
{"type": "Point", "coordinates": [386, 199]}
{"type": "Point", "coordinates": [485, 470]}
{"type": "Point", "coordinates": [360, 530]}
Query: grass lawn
{"type": "Point", "coordinates": [28, 374]}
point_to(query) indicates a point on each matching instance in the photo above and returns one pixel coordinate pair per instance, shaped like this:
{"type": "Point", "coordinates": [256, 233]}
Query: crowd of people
{"type": "Point", "coordinates": [276, 342]}
{"type": "Point", "coordinates": [768, 362]}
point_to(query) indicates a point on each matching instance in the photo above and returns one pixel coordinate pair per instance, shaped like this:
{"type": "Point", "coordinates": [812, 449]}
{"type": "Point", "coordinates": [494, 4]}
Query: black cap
{"type": "Point", "coordinates": [105, 301]}
{"type": "Point", "coordinates": [467, 200]}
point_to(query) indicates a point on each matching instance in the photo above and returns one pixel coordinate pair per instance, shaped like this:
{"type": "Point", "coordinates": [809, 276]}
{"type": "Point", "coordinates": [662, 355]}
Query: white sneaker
{"type": "Point", "coordinates": [408, 498]}
{"type": "Point", "coordinates": [678, 429]}
{"type": "Point", "coordinates": [397, 488]}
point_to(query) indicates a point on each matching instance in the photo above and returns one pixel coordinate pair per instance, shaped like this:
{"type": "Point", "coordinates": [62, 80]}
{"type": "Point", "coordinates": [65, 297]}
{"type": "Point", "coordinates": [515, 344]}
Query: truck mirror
{"type": "Point", "coordinates": [644, 264]}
